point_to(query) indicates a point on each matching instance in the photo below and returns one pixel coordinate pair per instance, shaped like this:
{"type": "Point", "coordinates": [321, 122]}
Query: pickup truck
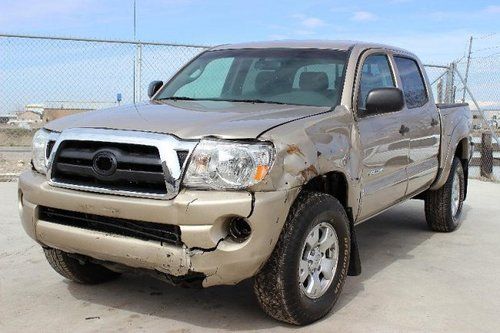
{"type": "Point", "coordinates": [255, 160]}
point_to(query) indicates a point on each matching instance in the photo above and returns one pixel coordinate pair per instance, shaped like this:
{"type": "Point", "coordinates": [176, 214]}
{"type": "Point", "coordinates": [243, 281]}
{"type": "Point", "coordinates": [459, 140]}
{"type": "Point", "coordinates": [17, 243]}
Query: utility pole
{"type": "Point", "coordinates": [467, 68]}
{"type": "Point", "coordinates": [135, 20]}
{"type": "Point", "coordinates": [135, 56]}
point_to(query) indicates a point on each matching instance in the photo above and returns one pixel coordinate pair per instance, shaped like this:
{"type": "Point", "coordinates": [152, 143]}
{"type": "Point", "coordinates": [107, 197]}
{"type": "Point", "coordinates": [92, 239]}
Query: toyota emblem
{"type": "Point", "coordinates": [104, 163]}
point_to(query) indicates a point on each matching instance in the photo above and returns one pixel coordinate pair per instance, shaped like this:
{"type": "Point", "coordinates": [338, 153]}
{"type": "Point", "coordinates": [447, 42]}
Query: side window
{"type": "Point", "coordinates": [376, 73]}
{"type": "Point", "coordinates": [413, 82]}
{"type": "Point", "coordinates": [201, 85]}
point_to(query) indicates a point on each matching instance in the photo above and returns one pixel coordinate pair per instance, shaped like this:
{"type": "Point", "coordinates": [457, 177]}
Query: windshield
{"type": "Point", "coordinates": [284, 76]}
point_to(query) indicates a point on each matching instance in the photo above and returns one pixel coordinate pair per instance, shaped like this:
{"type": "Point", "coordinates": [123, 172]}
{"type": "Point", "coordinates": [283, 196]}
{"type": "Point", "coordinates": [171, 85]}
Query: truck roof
{"type": "Point", "coordinates": [307, 44]}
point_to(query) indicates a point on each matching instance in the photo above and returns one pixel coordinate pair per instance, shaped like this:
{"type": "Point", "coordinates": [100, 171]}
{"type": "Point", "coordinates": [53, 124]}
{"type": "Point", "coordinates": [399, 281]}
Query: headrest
{"type": "Point", "coordinates": [264, 81]}
{"type": "Point", "coordinates": [313, 81]}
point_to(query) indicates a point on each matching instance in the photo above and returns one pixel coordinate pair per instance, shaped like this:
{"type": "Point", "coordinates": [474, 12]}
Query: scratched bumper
{"type": "Point", "coordinates": [200, 215]}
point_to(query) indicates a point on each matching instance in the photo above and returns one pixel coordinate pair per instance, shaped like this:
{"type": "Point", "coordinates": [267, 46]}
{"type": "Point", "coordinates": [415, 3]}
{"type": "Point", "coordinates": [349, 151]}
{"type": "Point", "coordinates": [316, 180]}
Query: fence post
{"type": "Point", "coordinates": [139, 72]}
{"type": "Point", "coordinates": [439, 90]}
{"type": "Point", "coordinates": [486, 156]}
{"type": "Point", "coordinates": [449, 85]}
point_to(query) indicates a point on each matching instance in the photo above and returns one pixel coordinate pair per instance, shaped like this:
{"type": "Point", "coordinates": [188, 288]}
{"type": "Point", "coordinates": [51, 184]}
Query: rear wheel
{"type": "Point", "coordinates": [306, 272]}
{"type": "Point", "coordinates": [76, 270]}
{"type": "Point", "coordinates": [443, 207]}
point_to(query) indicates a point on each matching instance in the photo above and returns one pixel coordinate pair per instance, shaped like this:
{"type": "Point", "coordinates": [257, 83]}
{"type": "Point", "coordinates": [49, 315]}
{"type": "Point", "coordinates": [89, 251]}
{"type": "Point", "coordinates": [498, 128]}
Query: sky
{"type": "Point", "coordinates": [35, 71]}
{"type": "Point", "coordinates": [436, 30]}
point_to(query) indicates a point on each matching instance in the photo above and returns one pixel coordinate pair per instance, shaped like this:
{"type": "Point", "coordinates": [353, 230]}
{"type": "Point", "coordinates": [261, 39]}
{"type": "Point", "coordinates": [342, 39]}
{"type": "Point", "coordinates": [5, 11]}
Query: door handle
{"type": "Point", "coordinates": [403, 130]}
{"type": "Point", "coordinates": [434, 122]}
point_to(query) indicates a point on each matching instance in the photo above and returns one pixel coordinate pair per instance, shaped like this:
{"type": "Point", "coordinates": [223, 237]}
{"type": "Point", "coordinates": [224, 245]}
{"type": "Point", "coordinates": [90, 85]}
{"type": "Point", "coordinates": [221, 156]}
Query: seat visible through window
{"type": "Point", "coordinates": [314, 81]}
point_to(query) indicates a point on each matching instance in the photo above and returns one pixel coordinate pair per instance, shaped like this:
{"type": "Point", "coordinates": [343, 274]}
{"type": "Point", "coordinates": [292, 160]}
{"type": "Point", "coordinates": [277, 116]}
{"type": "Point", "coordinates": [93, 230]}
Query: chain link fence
{"type": "Point", "coordinates": [475, 80]}
{"type": "Point", "coordinates": [482, 92]}
{"type": "Point", "coordinates": [44, 78]}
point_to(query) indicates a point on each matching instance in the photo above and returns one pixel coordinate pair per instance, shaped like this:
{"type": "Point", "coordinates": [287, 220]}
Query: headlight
{"type": "Point", "coordinates": [228, 165]}
{"type": "Point", "coordinates": [39, 150]}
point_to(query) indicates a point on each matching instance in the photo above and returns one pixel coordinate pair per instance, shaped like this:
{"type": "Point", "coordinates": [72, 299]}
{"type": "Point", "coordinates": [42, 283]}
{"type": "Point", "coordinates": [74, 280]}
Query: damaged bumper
{"type": "Point", "coordinates": [202, 217]}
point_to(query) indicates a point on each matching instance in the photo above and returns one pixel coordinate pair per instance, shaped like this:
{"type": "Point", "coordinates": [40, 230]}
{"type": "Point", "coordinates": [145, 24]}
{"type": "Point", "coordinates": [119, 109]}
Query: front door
{"type": "Point", "coordinates": [385, 146]}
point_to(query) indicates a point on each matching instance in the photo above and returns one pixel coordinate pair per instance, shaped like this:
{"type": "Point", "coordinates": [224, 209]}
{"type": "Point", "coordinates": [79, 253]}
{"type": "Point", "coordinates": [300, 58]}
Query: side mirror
{"type": "Point", "coordinates": [382, 100]}
{"type": "Point", "coordinates": [154, 87]}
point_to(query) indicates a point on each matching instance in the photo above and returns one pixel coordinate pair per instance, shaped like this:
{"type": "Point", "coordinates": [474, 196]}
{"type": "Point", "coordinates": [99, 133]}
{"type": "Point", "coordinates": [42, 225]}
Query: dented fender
{"type": "Point", "coordinates": [312, 147]}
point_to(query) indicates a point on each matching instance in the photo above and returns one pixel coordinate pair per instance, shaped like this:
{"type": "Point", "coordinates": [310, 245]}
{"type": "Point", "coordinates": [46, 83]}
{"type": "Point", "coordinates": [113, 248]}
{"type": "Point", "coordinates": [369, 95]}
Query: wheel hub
{"type": "Point", "coordinates": [455, 194]}
{"type": "Point", "coordinates": [319, 260]}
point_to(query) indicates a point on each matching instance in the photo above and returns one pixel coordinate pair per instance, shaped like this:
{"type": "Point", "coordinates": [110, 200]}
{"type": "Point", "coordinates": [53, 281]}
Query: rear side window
{"type": "Point", "coordinates": [413, 82]}
{"type": "Point", "coordinates": [376, 73]}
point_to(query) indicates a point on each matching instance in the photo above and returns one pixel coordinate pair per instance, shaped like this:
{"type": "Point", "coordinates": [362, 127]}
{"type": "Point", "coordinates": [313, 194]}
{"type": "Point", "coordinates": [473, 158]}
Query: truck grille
{"type": "Point", "coordinates": [113, 166]}
{"type": "Point", "coordinates": [129, 228]}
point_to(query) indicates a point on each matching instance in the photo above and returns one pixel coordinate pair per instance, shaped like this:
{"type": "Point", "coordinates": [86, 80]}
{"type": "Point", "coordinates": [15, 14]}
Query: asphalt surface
{"type": "Point", "coordinates": [413, 280]}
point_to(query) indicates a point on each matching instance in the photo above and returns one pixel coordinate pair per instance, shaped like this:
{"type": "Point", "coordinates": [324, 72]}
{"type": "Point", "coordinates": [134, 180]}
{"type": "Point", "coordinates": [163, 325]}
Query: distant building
{"type": "Point", "coordinates": [492, 116]}
{"type": "Point", "coordinates": [57, 109]}
{"type": "Point", "coordinates": [5, 118]}
{"type": "Point", "coordinates": [38, 108]}
{"type": "Point", "coordinates": [29, 116]}
{"type": "Point", "coordinates": [50, 114]}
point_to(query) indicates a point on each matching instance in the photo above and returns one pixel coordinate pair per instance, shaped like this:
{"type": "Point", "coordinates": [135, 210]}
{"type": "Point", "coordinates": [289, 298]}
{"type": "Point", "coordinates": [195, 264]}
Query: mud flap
{"type": "Point", "coordinates": [465, 165]}
{"type": "Point", "coordinates": [355, 261]}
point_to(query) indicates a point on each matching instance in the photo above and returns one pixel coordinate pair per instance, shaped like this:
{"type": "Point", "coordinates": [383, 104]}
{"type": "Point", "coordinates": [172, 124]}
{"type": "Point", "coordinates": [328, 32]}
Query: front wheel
{"type": "Point", "coordinates": [443, 207]}
{"type": "Point", "coordinates": [78, 271]}
{"type": "Point", "coordinates": [305, 274]}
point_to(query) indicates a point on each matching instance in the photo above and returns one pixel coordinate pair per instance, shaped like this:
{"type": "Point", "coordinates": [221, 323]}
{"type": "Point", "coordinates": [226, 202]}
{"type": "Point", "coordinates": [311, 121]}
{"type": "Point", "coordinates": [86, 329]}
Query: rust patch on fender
{"type": "Point", "coordinates": [309, 172]}
{"type": "Point", "coordinates": [294, 149]}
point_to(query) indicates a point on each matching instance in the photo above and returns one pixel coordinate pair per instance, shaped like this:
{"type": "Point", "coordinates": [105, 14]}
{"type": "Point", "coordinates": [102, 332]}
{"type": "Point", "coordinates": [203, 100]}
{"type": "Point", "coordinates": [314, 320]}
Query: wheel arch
{"type": "Point", "coordinates": [335, 184]}
{"type": "Point", "coordinates": [462, 149]}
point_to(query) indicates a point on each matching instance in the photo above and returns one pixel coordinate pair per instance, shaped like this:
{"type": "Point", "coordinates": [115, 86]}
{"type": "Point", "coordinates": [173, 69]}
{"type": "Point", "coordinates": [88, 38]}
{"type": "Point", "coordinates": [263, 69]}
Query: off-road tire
{"type": "Point", "coordinates": [438, 211]}
{"type": "Point", "coordinates": [277, 287]}
{"type": "Point", "coordinates": [77, 271]}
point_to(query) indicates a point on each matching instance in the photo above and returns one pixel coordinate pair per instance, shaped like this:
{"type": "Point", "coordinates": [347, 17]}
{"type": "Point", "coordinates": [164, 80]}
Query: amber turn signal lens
{"type": "Point", "coordinates": [261, 172]}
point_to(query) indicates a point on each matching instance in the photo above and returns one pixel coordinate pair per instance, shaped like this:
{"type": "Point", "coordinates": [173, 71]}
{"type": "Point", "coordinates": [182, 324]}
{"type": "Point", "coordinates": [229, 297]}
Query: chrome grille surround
{"type": "Point", "coordinates": [168, 147]}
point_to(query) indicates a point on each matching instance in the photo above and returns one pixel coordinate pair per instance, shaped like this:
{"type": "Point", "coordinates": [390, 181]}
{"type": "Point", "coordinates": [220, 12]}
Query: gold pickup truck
{"type": "Point", "coordinates": [254, 161]}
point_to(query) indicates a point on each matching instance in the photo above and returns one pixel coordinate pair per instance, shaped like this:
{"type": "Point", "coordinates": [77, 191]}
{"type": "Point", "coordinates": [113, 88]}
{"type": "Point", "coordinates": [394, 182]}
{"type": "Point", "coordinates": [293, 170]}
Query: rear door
{"type": "Point", "coordinates": [421, 117]}
{"type": "Point", "coordinates": [384, 146]}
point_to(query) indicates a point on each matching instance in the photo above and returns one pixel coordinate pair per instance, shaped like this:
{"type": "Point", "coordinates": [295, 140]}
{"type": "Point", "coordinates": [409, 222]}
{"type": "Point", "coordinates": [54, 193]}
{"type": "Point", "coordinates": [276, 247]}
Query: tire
{"type": "Point", "coordinates": [77, 271]}
{"type": "Point", "coordinates": [440, 213]}
{"type": "Point", "coordinates": [278, 287]}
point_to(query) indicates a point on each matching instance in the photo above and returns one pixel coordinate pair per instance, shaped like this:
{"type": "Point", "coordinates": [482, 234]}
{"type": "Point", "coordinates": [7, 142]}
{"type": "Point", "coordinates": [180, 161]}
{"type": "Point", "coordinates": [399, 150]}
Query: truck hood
{"type": "Point", "coordinates": [190, 119]}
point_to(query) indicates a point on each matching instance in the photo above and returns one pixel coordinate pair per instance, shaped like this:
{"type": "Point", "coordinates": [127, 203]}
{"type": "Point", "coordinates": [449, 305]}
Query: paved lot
{"type": "Point", "coordinates": [413, 280]}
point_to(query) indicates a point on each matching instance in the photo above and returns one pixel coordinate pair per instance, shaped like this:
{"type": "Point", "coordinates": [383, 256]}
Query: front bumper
{"type": "Point", "coordinates": [201, 216]}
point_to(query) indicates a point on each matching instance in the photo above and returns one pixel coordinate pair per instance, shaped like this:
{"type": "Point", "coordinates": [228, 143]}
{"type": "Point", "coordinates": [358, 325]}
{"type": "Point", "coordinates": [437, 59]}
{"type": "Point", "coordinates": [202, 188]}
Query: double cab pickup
{"type": "Point", "coordinates": [254, 161]}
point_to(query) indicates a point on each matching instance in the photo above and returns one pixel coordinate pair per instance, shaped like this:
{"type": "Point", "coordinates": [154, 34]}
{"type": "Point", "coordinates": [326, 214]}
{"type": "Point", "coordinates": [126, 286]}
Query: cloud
{"type": "Point", "coordinates": [481, 13]}
{"type": "Point", "coordinates": [313, 22]}
{"type": "Point", "coordinates": [277, 36]}
{"type": "Point", "coordinates": [492, 9]}
{"type": "Point", "coordinates": [309, 22]}
{"type": "Point", "coordinates": [304, 26]}
{"type": "Point", "coordinates": [362, 16]}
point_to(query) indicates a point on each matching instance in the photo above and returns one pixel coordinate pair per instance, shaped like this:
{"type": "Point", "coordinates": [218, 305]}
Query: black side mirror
{"type": "Point", "coordinates": [154, 87]}
{"type": "Point", "coordinates": [382, 100]}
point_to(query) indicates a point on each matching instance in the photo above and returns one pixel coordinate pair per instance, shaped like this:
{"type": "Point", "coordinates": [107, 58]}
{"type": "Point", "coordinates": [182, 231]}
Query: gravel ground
{"type": "Point", "coordinates": [13, 160]}
{"type": "Point", "coordinates": [413, 280]}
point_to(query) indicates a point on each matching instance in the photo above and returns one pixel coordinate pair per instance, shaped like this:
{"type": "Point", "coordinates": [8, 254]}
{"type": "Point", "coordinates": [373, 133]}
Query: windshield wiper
{"type": "Point", "coordinates": [254, 101]}
{"type": "Point", "coordinates": [180, 98]}
{"type": "Point", "coordinates": [184, 98]}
